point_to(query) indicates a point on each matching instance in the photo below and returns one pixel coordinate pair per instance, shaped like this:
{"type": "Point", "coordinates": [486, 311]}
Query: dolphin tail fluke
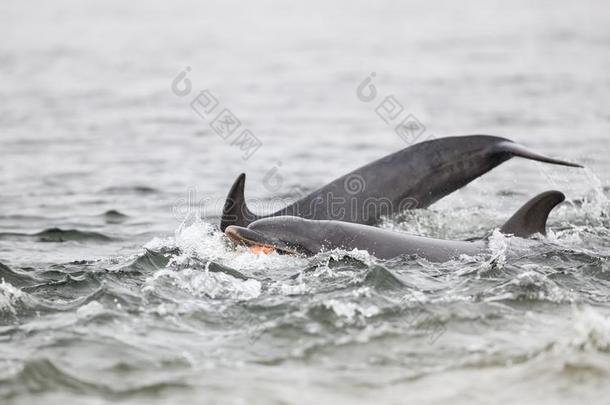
{"type": "Point", "coordinates": [235, 210]}
{"type": "Point", "coordinates": [531, 218]}
{"type": "Point", "coordinates": [516, 149]}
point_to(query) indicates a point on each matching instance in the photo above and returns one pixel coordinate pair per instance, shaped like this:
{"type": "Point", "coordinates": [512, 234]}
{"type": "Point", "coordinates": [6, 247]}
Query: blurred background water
{"type": "Point", "coordinates": [114, 290]}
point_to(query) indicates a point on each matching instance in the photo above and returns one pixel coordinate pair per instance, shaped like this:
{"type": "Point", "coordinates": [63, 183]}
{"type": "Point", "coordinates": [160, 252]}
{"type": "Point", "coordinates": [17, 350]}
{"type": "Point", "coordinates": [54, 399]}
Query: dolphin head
{"type": "Point", "coordinates": [285, 234]}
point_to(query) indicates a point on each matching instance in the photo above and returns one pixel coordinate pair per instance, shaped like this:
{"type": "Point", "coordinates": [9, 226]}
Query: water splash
{"type": "Point", "coordinates": [591, 330]}
{"type": "Point", "coordinates": [595, 203]}
{"type": "Point", "coordinates": [90, 310]}
{"type": "Point", "coordinates": [10, 298]}
{"type": "Point", "coordinates": [204, 283]}
{"type": "Point", "coordinates": [498, 244]}
{"type": "Point", "coordinates": [350, 310]}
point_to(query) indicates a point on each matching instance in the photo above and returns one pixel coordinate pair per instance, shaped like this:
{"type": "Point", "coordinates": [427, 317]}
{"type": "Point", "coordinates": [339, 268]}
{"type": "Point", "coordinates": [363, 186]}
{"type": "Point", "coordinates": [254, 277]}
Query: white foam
{"type": "Point", "coordinates": [204, 241]}
{"type": "Point", "coordinates": [158, 243]}
{"type": "Point", "coordinates": [350, 310]}
{"type": "Point", "coordinates": [298, 289]}
{"type": "Point", "coordinates": [10, 296]}
{"type": "Point", "coordinates": [90, 310]}
{"type": "Point", "coordinates": [498, 244]}
{"type": "Point", "coordinates": [207, 283]}
{"type": "Point", "coordinates": [338, 254]}
{"type": "Point", "coordinates": [595, 202]}
{"type": "Point", "coordinates": [592, 330]}
{"type": "Point", "coordinates": [243, 259]}
{"type": "Point", "coordinates": [201, 239]}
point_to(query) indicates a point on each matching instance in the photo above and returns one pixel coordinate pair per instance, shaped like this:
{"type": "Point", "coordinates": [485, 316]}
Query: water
{"type": "Point", "coordinates": [114, 290]}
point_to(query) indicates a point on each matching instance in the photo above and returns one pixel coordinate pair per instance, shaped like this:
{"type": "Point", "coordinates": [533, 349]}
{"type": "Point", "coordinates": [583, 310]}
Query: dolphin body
{"type": "Point", "coordinates": [295, 235]}
{"type": "Point", "coordinates": [414, 177]}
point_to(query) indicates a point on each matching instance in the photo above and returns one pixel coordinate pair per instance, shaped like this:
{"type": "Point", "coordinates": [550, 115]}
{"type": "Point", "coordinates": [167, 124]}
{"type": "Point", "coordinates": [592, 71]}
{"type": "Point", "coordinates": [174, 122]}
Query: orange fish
{"type": "Point", "coordinates": [261, 249]}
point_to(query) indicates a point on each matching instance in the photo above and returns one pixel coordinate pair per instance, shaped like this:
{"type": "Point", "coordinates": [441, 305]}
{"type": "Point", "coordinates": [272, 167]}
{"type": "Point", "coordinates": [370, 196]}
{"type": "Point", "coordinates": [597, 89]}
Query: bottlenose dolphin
{"type": "Point", "coordinates": [295, 235]}
{"type": "Point", "coordinates": [414, 177]}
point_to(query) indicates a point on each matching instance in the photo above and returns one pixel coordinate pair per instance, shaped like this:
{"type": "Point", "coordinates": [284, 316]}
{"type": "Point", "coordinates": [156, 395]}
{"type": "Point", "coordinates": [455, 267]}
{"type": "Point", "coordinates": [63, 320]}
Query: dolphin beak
{"type": "Point", "coordinates": [241, 235]}
{"type": "Point", "coordinates": [257, 241]}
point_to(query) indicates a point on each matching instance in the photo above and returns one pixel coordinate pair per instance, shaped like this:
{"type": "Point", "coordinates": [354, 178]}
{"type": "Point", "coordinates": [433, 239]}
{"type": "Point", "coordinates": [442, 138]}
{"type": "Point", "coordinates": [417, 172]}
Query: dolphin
{"type": "Point", "coordinates": [295, 235]}
{"type": "Point", "coordinates": [414, 177]}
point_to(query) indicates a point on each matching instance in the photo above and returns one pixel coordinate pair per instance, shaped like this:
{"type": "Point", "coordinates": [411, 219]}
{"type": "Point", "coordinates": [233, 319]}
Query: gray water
{"type": "Point", "coordinates": [115, 290]}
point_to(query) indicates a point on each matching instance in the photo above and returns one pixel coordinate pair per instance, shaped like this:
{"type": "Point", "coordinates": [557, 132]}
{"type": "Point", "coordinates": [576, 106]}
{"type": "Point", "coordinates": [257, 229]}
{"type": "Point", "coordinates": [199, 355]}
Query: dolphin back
{"type": "Point", "coordinates": [414, 177]}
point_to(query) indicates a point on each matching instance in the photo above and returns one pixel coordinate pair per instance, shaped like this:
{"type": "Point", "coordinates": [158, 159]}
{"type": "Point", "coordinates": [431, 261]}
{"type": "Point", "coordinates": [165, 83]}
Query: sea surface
{"type": "Point", "coordinates": [117, 286]}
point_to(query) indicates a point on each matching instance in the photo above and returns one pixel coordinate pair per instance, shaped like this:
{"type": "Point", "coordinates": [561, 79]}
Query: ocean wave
{"type": "Point", "coordinates": [590, 331]}
{"type": "Point", "coordinates": [114, 217]}
{"type": "Point", "coordinates": [139, 190]}
{"type": "Point", "coordinates": [530, 286]}
{"type": "Point", "coordinates": [64, 235]}
{"type": "Point", "coordinates": [212, 284]}
{"type": "Point", "coordinates": [15, 277]}
{"type": "Point", "coordinates": [43, 375]}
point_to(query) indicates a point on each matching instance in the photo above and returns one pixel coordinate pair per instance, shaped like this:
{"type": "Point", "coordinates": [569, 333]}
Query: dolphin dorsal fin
{"type": "Point", "coordinates": [532, 217]}
{"type": "Point", "coordinates": [235, 210]}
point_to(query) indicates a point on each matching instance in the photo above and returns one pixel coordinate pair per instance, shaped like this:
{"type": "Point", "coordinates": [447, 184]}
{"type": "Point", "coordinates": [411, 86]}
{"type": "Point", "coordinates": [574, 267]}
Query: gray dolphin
{"type": "Point", "coordinates": [295, 235]}
{"type": "Point", "coordinates": [414, 177]}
